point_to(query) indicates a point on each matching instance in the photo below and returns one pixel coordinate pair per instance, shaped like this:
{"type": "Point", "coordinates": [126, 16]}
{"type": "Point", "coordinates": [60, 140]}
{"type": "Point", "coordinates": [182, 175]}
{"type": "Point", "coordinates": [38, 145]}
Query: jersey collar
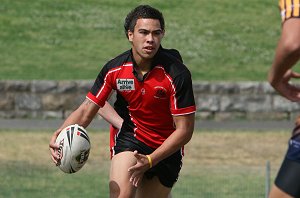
{"type": "Point", "coordinates": [154, 63]}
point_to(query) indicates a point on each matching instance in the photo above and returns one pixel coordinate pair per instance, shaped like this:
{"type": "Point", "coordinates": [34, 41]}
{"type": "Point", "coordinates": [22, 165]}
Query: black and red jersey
{"type": "Point", "coordinates": [148, 103]}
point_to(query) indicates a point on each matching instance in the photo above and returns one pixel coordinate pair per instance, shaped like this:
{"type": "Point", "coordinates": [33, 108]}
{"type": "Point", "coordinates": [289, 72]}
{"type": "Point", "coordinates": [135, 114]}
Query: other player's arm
{"type": "Point", "coordinates": [286, 56]}
{"type": "Point", "coordinates": [82, 116]}
{"type": "Point", "coordinates": [110, 115]}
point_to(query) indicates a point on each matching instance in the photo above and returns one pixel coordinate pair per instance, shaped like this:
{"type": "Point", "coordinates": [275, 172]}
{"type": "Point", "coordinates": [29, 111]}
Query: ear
{"type": "Point", "coordinates": [130, 35]}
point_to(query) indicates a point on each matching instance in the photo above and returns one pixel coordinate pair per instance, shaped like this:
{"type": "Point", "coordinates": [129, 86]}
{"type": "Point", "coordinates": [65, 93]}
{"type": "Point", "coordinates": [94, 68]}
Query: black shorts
{"type": "Point", "coordinates": [166, 170]}
{"type": "Point", "coordinates": [288, 178]}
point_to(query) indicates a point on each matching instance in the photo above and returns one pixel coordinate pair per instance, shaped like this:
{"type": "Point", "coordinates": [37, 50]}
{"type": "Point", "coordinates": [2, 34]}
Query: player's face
{"type": "Point", "coordinates": [146, 38]}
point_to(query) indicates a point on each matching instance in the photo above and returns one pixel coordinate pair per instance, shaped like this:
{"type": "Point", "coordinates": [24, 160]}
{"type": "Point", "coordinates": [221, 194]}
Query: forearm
{"type": "Point", "coordinates": [82, 116]}
{"type": "Point", "coordinates": [279, 69]}
{"type": "Point", "coordinates": [181, 136]}
{"type": "Point", "coordinates": [172, 144]}
{"type": "Point", "coordinates": [283, 61]}
{"type": "Point", "coordinates": [110, 115]}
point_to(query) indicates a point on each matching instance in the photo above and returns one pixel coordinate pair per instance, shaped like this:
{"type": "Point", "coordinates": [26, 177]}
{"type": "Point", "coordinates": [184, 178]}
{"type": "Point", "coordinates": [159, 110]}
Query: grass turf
{"type": "Point", "coordinates": [216, 164]}
{"type": "Point", "coordinates": [219, 40]}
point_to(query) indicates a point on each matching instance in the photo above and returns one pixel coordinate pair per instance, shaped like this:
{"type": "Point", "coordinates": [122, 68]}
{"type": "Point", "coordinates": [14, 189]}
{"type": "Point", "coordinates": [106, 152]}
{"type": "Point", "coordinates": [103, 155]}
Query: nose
{"type": "Point", "coordinates": [150, 38]}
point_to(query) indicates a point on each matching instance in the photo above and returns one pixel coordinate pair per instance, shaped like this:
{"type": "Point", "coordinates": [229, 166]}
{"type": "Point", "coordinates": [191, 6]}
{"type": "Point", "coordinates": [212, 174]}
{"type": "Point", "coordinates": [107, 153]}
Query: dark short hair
{"type": "Point", "coordinates": [142, 12]}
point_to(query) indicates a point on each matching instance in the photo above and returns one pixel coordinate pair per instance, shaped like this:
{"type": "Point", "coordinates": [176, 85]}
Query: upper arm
{"type": "Point", "coordinates": [185, 124]}
{"type": "Point", "coordinates": [103, 86]}
{"type": "Point", "coordinates": [182, 101]}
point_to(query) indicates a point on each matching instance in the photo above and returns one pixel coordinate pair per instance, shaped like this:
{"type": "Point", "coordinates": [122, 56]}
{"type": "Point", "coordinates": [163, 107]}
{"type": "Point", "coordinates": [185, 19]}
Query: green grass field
{"type": "Point", "coordinates": [234, 166]}
{"type": "Point", "coordinates": [228, 40]}
{"type": "Point", "coordinates": [219, 40]}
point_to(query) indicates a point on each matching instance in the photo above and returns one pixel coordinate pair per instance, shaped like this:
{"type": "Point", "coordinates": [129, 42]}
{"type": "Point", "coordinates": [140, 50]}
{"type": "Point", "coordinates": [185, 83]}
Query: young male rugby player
{"type": "Point", "coordinates": [287, 182]}
{"type": "Point", "coordinates": [155, 91]}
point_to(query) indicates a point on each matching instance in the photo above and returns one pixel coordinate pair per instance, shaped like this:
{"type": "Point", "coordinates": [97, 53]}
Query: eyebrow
{"type": "Point", "coordinates": [157, 30]}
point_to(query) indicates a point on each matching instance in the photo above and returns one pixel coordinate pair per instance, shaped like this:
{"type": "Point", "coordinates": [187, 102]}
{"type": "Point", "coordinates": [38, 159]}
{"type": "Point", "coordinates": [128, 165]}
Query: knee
{"type": "Point", "coordinates": [114, 189]}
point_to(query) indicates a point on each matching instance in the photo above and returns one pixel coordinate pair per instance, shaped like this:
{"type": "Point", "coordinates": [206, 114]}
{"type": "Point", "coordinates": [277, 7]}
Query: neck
{"type": "Point", "coordinates": [143, 65]}
{"type": "Point", "coordinates": [143, 68]}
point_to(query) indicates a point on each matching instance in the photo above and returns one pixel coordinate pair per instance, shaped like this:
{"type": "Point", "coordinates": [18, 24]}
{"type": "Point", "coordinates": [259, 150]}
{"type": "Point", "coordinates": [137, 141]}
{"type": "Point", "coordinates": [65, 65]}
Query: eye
{"type": "Point", "coordinates": [157, 33]}
{"type": "Point", "coordinates": [143, 32]}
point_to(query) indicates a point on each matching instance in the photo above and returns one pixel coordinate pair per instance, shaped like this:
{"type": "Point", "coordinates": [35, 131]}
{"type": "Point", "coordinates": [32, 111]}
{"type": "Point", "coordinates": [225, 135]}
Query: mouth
{"type": "Point", "coordinates": [149, 49]}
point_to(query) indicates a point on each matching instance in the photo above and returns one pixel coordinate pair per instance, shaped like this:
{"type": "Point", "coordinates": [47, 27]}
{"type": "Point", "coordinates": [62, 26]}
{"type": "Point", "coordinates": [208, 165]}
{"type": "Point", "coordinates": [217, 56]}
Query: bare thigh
{"type": "Point", "coordinates": [277, 193]}
{"type": "Point", "coordinates": [119, 184]}
{"type": "Point", "coordinates": [150, 188]}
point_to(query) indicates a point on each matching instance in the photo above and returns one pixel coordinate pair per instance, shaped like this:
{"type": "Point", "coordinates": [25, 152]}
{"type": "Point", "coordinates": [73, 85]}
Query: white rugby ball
{"type": "Point", "coordinates": [74, 148]}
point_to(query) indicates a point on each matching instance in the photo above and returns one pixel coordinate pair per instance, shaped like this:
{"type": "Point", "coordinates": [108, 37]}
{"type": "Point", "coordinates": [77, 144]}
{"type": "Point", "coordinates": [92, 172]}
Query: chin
{"type": "Point", "coordinates": [147, 56]}
{"type": "Point", "coordinates": [151, 55]}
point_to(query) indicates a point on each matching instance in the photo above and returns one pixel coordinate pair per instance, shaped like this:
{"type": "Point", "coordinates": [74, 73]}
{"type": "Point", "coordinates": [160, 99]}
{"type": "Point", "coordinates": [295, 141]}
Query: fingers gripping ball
{"type": "Point", "coordinates": [74, 148]}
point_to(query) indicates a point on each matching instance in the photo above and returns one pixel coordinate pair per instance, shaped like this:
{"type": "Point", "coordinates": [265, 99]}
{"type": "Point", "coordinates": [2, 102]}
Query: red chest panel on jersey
{"type": "Point", "coordinates": [151, 102]}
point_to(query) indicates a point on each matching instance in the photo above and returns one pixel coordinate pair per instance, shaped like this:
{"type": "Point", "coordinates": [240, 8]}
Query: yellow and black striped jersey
{"type": "Point", "coordinates": [289, 9]}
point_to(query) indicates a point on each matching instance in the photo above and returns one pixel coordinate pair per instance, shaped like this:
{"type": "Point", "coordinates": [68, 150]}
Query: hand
{"type": "Point", "coordinates": [289, 91]}
{"type": "Point", "coordinates": [53, 147]}
{"type": "Point", "coordinates": [297, 121]}
{"type": "Point", "coordinates": [137, 171]}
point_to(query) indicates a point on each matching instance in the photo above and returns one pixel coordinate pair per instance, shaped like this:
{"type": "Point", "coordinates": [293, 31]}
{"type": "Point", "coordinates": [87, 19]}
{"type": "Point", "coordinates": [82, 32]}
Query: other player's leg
{"type": "Point", "coordinates": [287, 182]}
{"type": "Point", "coordinates": [277, 193]}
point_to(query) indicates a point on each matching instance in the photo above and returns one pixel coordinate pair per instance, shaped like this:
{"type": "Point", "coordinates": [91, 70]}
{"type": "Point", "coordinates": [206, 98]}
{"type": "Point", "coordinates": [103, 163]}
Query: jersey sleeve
{"type": "Point", "coordinates": [102, 87]}
{"type": "Point", "coordinates": [182, 99]}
